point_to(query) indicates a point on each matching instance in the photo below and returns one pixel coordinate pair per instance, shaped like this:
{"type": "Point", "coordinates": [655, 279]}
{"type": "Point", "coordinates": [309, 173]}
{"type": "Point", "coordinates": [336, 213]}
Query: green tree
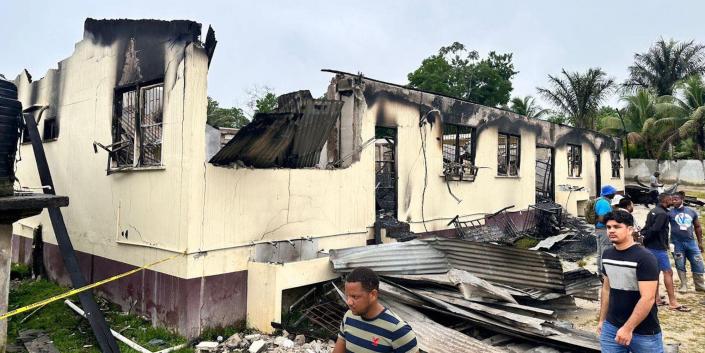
{"type": "Point", "coordinates": [664, 64]}
{"type": "Point", "coordinates": [557, 119]}
{"type": "Point", "coordinates": [262, 99]}
{"type": "Point", "coordinates": [458, 72]}
{"type": "Point", "coordinates": [643, 123]}
{"type": "Point", "coordinates": [578, 95]}
{"type": "Point", "coordinates": [224, 117]}
{"type": "Point", "coordinates": [687, 111]}
{"type": "Point", "coordinates": [527, 107]}
{"type": "Point", "coordinates": [266, 104]}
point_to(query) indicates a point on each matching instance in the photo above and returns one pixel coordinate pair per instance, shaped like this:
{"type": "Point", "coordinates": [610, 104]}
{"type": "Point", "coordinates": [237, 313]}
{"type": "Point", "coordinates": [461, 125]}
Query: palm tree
{"type": "Point", "coordinates": [578, 95]}
{"type": "Point", "coordinates": [688, 109]}
{"type": "Point", "coordinates": [527, 107]}
{"type": "Point", "coordinates": [666, 63]}
{"type": "Point", "coordinates": [642, 122]}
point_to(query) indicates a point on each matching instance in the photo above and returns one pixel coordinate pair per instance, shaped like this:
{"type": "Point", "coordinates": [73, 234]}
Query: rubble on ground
{"type": "Point", "coordinates": [262, 343]}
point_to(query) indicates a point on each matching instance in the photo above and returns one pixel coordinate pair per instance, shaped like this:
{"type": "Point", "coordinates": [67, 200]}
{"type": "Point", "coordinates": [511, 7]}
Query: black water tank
{"type": "Point", "coordinates": [10, 115]}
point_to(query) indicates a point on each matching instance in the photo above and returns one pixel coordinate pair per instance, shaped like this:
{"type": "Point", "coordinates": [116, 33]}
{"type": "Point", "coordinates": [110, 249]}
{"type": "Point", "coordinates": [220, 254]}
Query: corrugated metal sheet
{"type": "Point", "coordinates": [433, 337]}
{"type": "Point", "coordinates": [292, 137]}
{"type": "Point", "coordinates": [262, 143]}
{"type": "Point", "coordinates": [312, 130]}
{"type": "Point", "coordinates": [411, 257]}
{"type": "Point", "coordinates": [518, 268]}
{"type": "Point", "coordinates": [582, 283]}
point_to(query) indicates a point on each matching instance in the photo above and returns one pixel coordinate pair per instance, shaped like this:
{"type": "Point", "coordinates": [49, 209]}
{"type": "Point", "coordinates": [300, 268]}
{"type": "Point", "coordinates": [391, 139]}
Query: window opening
{"type": "Point", "coordinates": [508, 154]}
{"type": "Point", "coordinates": [459, 152]}
{"type": "Point", "coordinates": [575, 157]}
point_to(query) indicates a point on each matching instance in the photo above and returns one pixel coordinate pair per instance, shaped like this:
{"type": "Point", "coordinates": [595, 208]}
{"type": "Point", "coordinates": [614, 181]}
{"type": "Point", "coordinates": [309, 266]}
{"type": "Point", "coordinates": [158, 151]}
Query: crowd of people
{"type": "Point", "coordinates": [631, 259]}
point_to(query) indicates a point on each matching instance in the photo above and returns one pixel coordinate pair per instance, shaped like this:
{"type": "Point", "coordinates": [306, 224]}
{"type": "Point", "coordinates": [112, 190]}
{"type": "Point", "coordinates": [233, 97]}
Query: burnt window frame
{"type": "Point", "coordinates": [507, 157]}
{"type": "Point", "coordinates": [616, 163]}
{"type": "Point", "coordinates": [455, 168]}
{"type": "Point", "coordinates": [572, 148]}
{"type": "Point", "coordinates": [138, 135]}
{"type": "Point", "coordinates": [55, 121]}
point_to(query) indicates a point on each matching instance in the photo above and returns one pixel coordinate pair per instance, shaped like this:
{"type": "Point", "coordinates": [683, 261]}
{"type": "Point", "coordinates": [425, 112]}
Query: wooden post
{"type": "Point", "coordinates": [5, 259]}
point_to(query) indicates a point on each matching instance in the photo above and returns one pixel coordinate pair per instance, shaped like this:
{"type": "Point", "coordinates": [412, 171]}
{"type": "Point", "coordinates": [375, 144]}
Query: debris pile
{"type": "Point", "coordinates": [261, 343]}
{"type": "Point", "coordinates": [466, 296]}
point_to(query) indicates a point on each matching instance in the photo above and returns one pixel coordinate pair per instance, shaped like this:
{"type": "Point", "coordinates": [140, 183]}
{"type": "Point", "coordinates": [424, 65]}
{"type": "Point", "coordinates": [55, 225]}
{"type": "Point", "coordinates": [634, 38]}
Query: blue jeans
{"type": "Point", "coordinates": [688, 249]}
{"type": "Point", "coordinates": [639, 343]}
{"type": "Point", "coordinates": [664, 263]}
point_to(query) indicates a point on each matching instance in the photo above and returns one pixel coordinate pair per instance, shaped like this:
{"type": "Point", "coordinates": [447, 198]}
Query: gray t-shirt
{"type": "Point", "coordinates": [682, 221]}
{"type": "Point", "coordinates": [653, 183]}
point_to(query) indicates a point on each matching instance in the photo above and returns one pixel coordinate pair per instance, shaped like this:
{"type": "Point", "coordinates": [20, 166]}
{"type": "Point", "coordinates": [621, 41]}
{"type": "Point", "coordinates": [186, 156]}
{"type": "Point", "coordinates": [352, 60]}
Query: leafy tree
{"type": "Point", "coordinates": [687, 111]}
{"type": "Point", "coordinates": [602, 113]}
{"type": "Point", "coordinates": [458, 72]}
{"type": "Point", "coordinates": [666, 63]}
{"type": "Point", "coordinates": [578, 95]}
{"type": "Point", "coordinates": [558, 119]}
{"type": "Point", "coordinates": [645, 126]}
{"type": "Point", "coordinates": [224, 117]}
{"type": "Point", "coordinates": [266, 103]}
{"type": "Point", "coordinates": [527, 107]}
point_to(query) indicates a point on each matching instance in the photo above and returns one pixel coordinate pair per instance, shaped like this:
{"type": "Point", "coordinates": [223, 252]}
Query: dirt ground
{"type": "Point", "coordinates": [684, 329]}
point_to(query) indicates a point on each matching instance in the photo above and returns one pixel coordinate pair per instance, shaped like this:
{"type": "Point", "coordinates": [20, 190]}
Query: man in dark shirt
{"type": "Point", "coordinates": [628, 314]}
{"type": "Point", "coordinates": [655, 234]}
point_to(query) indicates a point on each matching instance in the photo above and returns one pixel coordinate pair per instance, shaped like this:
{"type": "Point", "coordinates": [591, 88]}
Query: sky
{"type": "Point", "coordinates": [284, 44]}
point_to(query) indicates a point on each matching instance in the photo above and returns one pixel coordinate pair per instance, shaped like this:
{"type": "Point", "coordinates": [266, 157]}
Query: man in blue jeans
{"type": "Point", "coordinates": [603, 206]}
{"type": "Point", "coordinates": [685, 227]}
{"type": "Point", "coordinates": [628, 314]}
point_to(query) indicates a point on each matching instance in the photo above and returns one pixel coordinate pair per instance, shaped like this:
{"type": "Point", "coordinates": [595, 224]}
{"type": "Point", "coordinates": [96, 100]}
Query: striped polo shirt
{"type": "Point", "coordinates": [385, 333]}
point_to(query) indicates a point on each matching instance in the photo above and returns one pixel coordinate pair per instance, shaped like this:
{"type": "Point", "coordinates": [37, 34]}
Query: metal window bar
{"type": "Point", "coordinates": [151, 124]}
{"type": "Point", "coordinates": [327, 315]}
{"type": "Point", "coordinates": [616, 164]}
{"type": "Point", "coordinates": [124, 130]}
{"type": "Point", "coordinates": [574, 161]}
{"type": "Point", "coordinates": [458, 152]}
{"type": "Point", "coordinates": [543, 219]}
{"type": "Point", "coordinates": [508, 154]}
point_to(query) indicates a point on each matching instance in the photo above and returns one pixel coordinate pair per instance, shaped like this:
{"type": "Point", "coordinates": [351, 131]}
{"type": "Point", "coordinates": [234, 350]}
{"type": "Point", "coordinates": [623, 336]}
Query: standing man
{"type": "Point", "coordinates": [628, 314]}
{"type": "Point", "coordinates": [655, 185]}
{"type": "Point", "coordinates": [603, 206]}
{"type": "Point", "coordinates": [655, 234]}
{"type": "Point", "coordinates": [368, 326]}
{"type": "Point", "coordinates": [685, 224]}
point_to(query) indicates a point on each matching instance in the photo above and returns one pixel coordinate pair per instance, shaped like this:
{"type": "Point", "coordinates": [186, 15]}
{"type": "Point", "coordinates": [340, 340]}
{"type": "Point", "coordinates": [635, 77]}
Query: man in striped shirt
{"type": "Point", "coordinates": [368, 326]}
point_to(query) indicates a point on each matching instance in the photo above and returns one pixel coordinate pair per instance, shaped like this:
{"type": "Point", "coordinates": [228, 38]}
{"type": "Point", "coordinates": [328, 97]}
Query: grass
{"type": "Point", "coordinates": [72, 333]}
{"type": "Point", "coordinates": [525, 243]}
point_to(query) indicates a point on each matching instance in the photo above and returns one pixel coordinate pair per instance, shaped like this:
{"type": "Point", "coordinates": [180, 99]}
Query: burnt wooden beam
{"type": "Point", "coordinates": [102, 333]}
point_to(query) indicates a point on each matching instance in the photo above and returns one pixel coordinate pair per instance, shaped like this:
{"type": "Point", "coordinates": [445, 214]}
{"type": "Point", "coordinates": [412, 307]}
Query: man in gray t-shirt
{"type": "Point", "coordinates": [654, 185]}
{"type": "Point", "coordinates": [685, 228]}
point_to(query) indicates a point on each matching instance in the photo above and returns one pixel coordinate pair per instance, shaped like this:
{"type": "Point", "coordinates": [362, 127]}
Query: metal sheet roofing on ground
{"type": "Point", "coordinates": [514, 267]}
{"type": "Point", "coordinates": [412, 257]}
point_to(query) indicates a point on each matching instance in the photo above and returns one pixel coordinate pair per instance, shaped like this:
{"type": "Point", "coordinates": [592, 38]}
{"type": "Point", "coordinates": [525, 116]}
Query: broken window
{"type": "Point", "coordinates": [616, 163]}
{"type": "Point", "coordinates": [508, 155]}
{"type": "Point", "coordinates": [137, 126]}
{"type": "Point", "coordinates": [51, 129]}
{"type": "Point", "coordinates": [575, 160]}
{"type": "Point", "coordinates": [459, 152]}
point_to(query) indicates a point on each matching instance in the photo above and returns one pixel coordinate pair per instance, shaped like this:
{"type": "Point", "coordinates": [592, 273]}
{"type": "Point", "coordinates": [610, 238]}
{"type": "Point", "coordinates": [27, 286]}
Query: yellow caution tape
{"type": "Point", "coordinates": [82, 289]}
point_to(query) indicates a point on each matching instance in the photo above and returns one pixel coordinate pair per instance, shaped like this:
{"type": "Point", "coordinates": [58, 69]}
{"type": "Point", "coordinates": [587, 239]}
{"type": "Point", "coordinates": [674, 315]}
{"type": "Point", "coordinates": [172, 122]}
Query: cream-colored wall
{"type": "Point", "coordinates": [586, 180]}
{"type": "Point", "coordinates": [154, 206]}
{"type": "Point", "coordinates": [487, 194]}
{"type": "Point", "coordinates": [265, 283]}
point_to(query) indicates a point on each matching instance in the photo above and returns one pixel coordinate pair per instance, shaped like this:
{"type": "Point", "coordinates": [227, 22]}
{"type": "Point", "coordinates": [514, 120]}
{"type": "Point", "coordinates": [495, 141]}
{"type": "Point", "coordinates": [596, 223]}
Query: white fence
{"type": "Point", "coordinates": [689, 172]}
